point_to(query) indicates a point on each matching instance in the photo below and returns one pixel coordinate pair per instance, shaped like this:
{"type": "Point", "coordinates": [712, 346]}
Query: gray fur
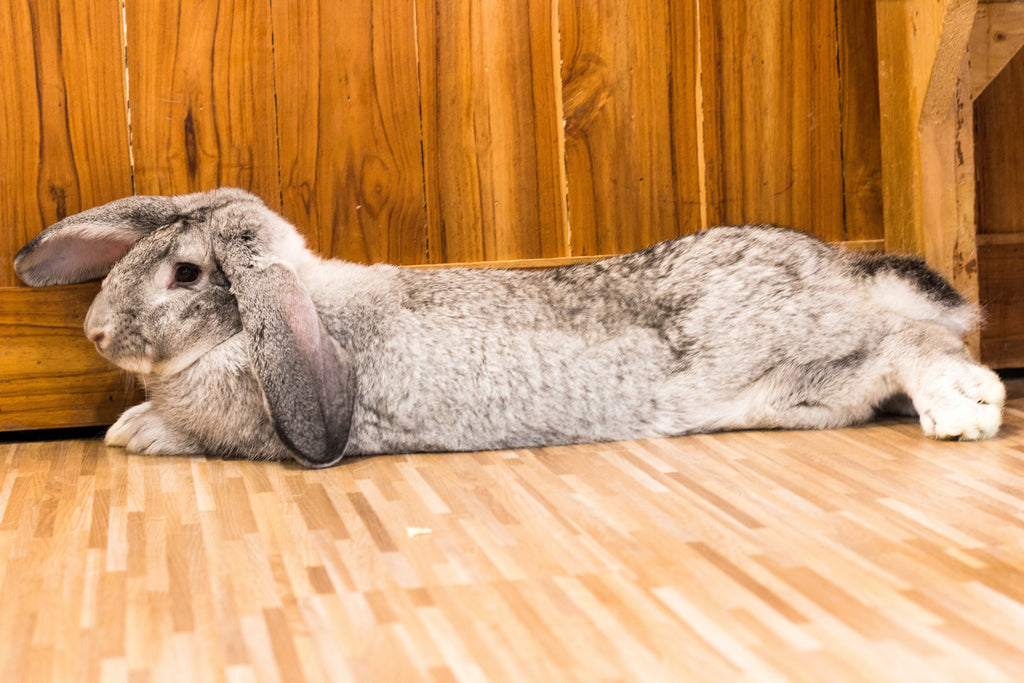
{"type": "Point", "coordinates": [731, 328]}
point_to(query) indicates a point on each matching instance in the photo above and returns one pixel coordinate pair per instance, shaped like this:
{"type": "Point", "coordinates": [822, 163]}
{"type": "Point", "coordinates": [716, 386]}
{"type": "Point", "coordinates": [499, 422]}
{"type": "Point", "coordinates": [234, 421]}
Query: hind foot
{"type": "Point", "coordinates": [961, 401]}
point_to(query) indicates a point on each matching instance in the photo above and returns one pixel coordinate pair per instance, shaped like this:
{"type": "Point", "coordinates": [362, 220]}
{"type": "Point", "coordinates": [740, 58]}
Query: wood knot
{"type": "Point", "coordinates": [587, 87]}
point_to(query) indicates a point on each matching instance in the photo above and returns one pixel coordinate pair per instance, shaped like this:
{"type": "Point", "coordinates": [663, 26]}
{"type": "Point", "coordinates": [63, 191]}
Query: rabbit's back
{"type": "Point", "coordinates": [643, 344]}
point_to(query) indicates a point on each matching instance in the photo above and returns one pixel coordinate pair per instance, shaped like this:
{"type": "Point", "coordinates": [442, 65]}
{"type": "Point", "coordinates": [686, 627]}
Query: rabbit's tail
{"type": "Point", "coordinates": [906, 286]}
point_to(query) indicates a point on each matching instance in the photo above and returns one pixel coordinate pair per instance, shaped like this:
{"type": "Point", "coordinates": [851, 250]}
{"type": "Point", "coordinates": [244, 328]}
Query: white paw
{"type": "Point", "coordinates": [964, 402]}
{"type": "Point", "coordinates": [142, 430]}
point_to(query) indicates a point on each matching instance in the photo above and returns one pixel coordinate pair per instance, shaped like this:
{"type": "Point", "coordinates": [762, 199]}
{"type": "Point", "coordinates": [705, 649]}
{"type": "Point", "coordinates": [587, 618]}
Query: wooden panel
{"type": "Point", "coordinates": [999, 160]}
{"type": "Point", "coordinates": [629, 73]}
{"type": "Point", "coordinates": [63, 147]}
{"type": "Point", "coordinates": [999, 152]}
{"type": "Point", "coordinates": [50, 374]}
{"type": "Point", "coordinates": [64, 129]}
{"type": "Point", "coordinates": [859, 555]}
{"type": "Point", "coordinates": [1001, 284]}
{"type": "Point", "coordinates": [351, 166]}
{"type": "Point", "coordinates": [488, 75]}
{"type": "Point", "coordinates": [771, 114]}
{"type": "Point", "coordinates": [921, 46]}
{"type": "Point", "coordinates": [859, 124]}
{"type": "Point", "coordinates": [877, 245]}
{"type": "Point", "coordinates": [201, 95]}
{"type": "Point", "coordinates": [927, 136]}
{"type": "Point", "coordinates": [432, 131]}
{"type": "Point", "coordinates": [997, 36]}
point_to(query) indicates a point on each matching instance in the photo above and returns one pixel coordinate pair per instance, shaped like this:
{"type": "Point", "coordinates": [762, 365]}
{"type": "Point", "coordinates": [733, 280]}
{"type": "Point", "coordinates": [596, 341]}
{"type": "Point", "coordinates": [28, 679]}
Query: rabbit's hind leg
{"type": "Point", "coordinates": [825, 394]}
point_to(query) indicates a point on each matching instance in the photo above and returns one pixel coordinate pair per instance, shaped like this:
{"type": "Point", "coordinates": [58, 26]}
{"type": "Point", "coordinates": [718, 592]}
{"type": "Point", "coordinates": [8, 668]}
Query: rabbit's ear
{"type": "Point", "coordinates": [307, 379]}
{"type": "Point", "coordinates": [85, 246]}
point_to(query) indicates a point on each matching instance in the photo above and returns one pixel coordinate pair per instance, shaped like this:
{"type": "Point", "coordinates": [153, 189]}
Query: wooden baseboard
{"type": "Point", "coordinates": [50, 374]}
{"type": "Point", "coordinates": [541, 263]}
{"type": "Point", "coordinates": [527, 264]}
{"type": "Point", "coordinates": [1000, 239]}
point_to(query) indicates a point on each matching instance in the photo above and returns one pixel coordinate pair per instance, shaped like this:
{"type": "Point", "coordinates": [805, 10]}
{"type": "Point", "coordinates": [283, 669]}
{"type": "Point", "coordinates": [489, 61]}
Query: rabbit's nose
{"type": "Point", "coordinates": [98, 337]}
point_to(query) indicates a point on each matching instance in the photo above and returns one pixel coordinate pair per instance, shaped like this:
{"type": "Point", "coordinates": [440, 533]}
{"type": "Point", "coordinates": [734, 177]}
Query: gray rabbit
{"type": "Point", "coordinates": [251, 346]}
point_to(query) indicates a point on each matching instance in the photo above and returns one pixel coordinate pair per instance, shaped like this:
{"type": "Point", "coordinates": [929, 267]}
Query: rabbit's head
{"type": "Point", "coordinates": [185, 274]}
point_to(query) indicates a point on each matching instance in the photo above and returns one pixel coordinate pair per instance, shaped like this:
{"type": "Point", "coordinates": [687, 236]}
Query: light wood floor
{"type": "Point", "coordinates": [866, 554]}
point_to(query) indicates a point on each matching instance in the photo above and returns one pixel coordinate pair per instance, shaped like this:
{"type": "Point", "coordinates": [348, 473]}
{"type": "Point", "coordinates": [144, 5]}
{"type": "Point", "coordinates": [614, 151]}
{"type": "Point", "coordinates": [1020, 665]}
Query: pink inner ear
{"type": "Point", "coordinates": [302, 319]}
{"type": "Point", "coordinates": [69, 259]}
{"type": "Point", "coordinates": [100, 254]}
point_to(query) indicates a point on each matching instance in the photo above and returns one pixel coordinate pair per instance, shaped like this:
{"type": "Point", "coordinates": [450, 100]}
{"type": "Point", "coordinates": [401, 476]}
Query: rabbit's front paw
{"type": "Point", "coordinates": [964, 402]}
{"type": "Point", "coordinates": [142, 430]}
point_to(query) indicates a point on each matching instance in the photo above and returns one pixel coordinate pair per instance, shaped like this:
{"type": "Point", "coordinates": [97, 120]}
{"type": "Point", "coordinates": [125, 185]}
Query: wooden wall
{"type": "Point", "coordinates": [999, 161]}
{"type": "Point", "coordinates": [450, 130]}
{"type": "Point", "coordinates": [436, 131]}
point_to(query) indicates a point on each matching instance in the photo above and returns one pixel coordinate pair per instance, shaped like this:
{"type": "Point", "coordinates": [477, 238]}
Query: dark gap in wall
{"type": "Point", "coordinates": [35, 435]}
{"type": "Point", "coordinates": [277, 116]}
{"type": "Point", "coordinates": [842, 121]}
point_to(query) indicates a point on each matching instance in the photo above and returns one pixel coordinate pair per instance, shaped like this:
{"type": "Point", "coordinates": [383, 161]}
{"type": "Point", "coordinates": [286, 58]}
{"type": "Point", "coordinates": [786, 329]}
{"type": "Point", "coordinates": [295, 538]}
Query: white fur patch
{"type": "Point", "coordinates": [892, 292]}
{"type": "Point", "coordinates": [142, 430]}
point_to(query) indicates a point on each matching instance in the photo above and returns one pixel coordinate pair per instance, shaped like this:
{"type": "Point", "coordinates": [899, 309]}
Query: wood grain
{"type": "Point", "coordinates": [859, 127]}
{"type": "Point", "coordinates": [490, 130]}
{"type": "Point", "coordinates": [999, 152]}
{"type": "Point", "coordinates": [351, 166]}
{"type": "Point", "coordinates": [859, 245]}
{"type": "Point", "coordinates": [922, 53]}
{"type": "Point", "coordinates": [868, 554]}
{"type": "Point", "coordinates": [999, 164]}
{"type": "Point", "coordinates": [772, 116]}
{"type": "Point", "coordinates": [949, 192]}
{"type": "Point", "coordinates": [201, 84]}
{"type": "Point", "coordinates": [1001, 273]}
{"type": "Point", "coordinates": [478, 131]}
{"type": "Point", "coordinates": [63, 148]}
{"type": "Point", "coordinates": [629, 73]}
{"type": "Point", "coordinates": [997, 36]}
{"type": "Point", "coordinates": [50, 374]}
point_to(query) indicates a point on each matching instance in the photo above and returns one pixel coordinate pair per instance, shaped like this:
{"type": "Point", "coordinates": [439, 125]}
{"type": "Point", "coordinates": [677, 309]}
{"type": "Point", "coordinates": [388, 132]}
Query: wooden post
{"type": "Point", "coordinates": [927, 136]}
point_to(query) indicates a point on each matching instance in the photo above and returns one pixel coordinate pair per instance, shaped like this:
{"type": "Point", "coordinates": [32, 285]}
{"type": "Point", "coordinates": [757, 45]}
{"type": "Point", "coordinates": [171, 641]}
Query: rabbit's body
{"type": "Point", "coordinates": [731, 328]}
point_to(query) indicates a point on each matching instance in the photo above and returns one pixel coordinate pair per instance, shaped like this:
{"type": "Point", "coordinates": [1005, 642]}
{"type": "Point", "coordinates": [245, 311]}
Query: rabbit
{"type": "Point", "coordinates": [251, 346]}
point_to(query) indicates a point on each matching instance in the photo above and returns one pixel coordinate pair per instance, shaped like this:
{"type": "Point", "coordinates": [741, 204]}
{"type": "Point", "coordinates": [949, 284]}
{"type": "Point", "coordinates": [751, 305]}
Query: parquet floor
{"type": "Point", "coordinates": [865, 554]}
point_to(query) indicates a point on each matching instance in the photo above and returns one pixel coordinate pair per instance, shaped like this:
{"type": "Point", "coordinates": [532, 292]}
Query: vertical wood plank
{"type": "Point", "coordinates": [629, 72]}
{"type": "Point", "coordinates": [999, 163]}
{"type": "Point", "coordinates": [771, 94]}
{"type": "Point", "coordinates": [927, 136]}
{"type": "Point", "coordinates": [351, 166]}
{"type": "Point", "coordinates": [948, 188]}
{"type": "Point", "coordinates": [64, 148]}
{"type": "Point", "coordinates": [947, 158]}
{"type": "Point", "coordinates": [201, 86]}
{"type": "Point", "coordinates": [1001, 290]}
{"type": "Point", "coordinates": [688, 159]}
{"type": "Point", "coordinates": [490, 136]}
{"type": "Point", "coordinates": [1000, 151]}
{"type": "Point", "coordinates": [859, 123]}
{"type": "Point", "coordinates": [899, 107]}
{"type": "Point", "coordinates": [921, 46]}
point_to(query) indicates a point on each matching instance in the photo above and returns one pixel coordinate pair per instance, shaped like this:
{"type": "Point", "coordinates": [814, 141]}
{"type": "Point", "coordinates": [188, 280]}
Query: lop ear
{"type": "Point", "coordinates": [307, 378]}
{"type": "Point", "coordinates": [86, 246]}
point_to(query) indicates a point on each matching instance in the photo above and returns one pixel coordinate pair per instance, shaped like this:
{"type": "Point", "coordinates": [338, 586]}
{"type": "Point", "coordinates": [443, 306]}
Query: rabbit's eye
{"type": "Point", "coordinates": [185, 273]}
